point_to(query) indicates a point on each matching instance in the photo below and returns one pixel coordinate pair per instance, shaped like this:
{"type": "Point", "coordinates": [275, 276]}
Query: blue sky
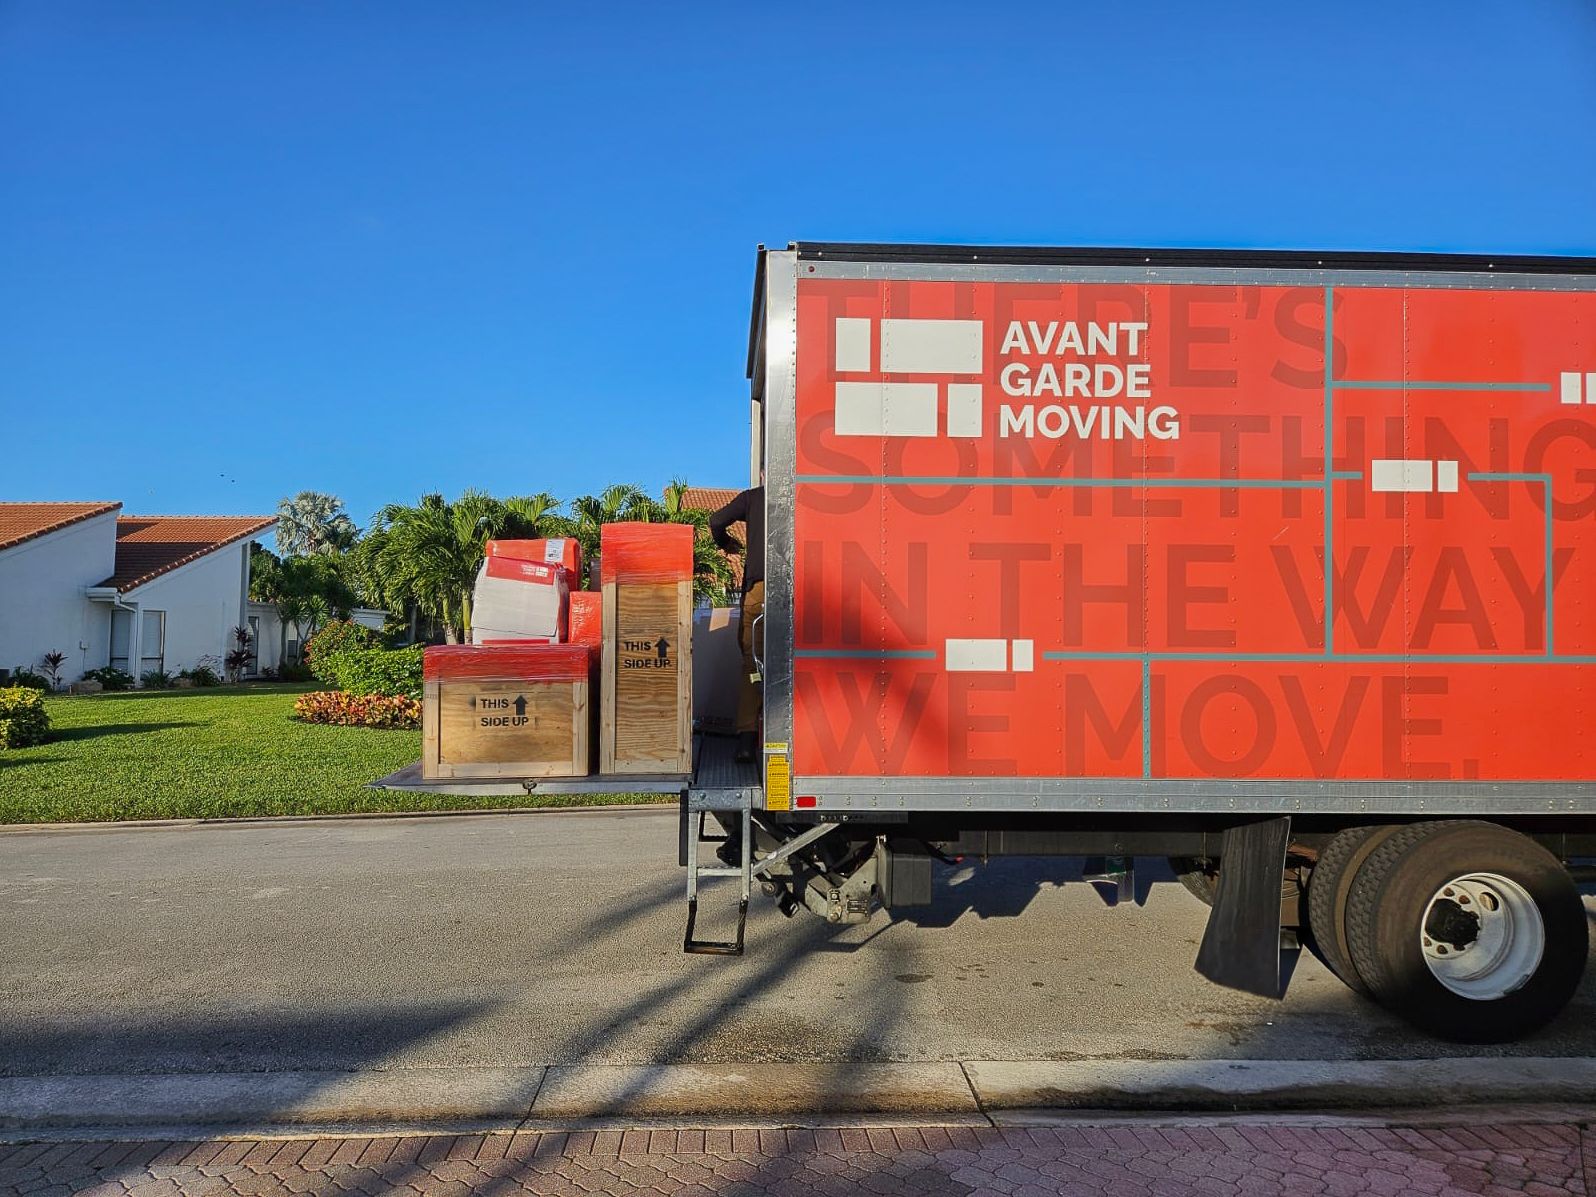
{"type": "Point", "coordinates": [385, 248]}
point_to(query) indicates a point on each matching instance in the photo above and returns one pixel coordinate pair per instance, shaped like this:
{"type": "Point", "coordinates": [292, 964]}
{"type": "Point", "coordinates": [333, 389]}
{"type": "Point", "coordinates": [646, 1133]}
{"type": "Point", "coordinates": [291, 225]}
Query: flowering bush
{"type": "Point", "coordinates": [358, 710]}
{"type": "Point", "coordinates": [23, 720]}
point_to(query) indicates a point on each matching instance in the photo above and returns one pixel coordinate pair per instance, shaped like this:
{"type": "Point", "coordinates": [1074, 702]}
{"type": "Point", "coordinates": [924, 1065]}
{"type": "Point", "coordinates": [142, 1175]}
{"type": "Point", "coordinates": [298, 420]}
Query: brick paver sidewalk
{"type": "Point", "coordinates": [1123, 1158]}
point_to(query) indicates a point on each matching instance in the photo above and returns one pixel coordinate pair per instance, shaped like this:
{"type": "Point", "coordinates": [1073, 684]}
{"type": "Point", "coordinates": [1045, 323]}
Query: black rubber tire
{"type": "Point", "coordinates": [1328, 885]}
{"type": "Point", "coordinates": [1385, 911]}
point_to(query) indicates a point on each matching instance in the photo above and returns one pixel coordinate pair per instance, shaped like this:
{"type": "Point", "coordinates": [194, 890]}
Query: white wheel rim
{"type": "Point", "coordinates": [1482, 936]}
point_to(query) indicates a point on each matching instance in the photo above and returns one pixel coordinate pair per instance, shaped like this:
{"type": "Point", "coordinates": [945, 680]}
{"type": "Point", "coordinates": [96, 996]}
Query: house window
{"type": "Point", "coordinates": [121, 637]}
{"type": "Point", "coordinates": [253, 668]}
{"type": "Point", "coordinates": [152, 645]}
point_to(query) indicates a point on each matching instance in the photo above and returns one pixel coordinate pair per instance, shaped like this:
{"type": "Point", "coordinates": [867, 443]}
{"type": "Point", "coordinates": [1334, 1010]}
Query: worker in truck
{"type": "Point", "coordinates": [748, 508]}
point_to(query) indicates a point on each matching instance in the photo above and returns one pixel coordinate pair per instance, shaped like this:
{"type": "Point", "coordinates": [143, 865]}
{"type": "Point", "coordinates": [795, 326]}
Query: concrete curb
{"type": "Point", "coordinates": [1280, 1084]}
{"type": "Point", "coordinates": [1006, 1091]}
{"type": "Point", "coordinates": [757, 1090]}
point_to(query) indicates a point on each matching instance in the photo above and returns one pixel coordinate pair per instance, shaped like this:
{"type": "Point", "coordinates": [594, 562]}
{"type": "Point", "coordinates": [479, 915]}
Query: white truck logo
{"type": "Point", "coordinates": [953, 349]}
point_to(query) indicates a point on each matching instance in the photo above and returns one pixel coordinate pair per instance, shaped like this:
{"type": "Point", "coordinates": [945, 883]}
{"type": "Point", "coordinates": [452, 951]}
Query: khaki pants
{"type": "Point", "coordinates": [750, 694]}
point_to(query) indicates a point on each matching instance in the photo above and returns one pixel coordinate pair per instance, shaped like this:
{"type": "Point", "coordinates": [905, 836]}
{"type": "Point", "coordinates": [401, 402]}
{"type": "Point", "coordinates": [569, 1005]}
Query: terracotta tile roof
{"type": "Point", "coordinates": [707, 498]}
{"type": "Point", "coordinates": [148, 546]}
{"type": "Point", "coordinates": [712, 499]}
{"type": "Point", "coordinates": [24, 521]}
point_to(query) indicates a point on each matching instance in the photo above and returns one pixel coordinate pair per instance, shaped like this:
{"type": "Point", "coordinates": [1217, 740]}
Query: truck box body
{"type": "Point", "coordinates": [1047, 531]}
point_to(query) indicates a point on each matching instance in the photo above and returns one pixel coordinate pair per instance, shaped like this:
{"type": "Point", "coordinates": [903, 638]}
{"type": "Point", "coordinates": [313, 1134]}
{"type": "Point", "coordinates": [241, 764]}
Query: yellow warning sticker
{"type": "Point", "coordinates": [775, 746]}
{"type": "Point", "coordinates": [778, 783]}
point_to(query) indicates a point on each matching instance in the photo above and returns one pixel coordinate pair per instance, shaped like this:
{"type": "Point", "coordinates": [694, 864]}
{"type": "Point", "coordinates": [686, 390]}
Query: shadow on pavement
{"type": "Point", "coordinates": [196, 1041]}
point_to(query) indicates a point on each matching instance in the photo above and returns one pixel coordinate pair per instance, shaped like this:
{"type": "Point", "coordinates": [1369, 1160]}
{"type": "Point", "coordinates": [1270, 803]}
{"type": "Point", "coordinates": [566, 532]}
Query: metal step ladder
{"type": "Point", "coordinates": [743, 871]}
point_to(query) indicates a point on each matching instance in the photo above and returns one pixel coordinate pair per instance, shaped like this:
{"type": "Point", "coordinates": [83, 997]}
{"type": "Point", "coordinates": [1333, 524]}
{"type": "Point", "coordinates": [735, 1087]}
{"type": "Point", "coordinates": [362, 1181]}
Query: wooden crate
{"type": "Point", "coordinates": [646, 717]}
{"type": "Point", "coordinates": [475, 724]}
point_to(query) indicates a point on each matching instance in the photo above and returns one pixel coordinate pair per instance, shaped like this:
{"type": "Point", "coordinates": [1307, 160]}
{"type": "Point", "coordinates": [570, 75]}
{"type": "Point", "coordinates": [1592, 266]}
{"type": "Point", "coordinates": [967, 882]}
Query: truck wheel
{"type": "Point", "coordinates": [1328, 885]}
{"type": "Point", "coordinates": [1468, 930]}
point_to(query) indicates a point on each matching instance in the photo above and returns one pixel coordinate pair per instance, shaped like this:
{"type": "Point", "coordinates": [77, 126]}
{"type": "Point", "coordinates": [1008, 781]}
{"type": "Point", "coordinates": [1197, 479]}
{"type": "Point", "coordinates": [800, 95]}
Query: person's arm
{"type": "Point", "coordinates": [720, 523]}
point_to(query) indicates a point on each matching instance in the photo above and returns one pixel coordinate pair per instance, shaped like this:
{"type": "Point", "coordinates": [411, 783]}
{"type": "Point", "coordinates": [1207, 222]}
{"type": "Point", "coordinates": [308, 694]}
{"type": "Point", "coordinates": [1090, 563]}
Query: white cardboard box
{"type": "Point", "coordinates": [518, 598]}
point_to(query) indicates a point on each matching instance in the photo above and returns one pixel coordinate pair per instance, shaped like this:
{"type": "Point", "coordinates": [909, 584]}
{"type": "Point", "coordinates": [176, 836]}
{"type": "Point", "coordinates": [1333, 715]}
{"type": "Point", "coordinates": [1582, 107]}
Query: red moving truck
{"type": "Point", "coordinates": [1280, 565]}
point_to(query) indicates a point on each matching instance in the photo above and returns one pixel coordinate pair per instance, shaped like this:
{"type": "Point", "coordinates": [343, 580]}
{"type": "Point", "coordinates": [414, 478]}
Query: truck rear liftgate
{"type": "Point", "coordinates": [719, 784]}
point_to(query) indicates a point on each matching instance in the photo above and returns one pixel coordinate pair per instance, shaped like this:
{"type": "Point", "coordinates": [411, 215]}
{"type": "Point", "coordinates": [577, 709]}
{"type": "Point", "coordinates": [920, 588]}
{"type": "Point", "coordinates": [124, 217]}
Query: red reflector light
{"type": "Point", "coordinates": [807, 800]}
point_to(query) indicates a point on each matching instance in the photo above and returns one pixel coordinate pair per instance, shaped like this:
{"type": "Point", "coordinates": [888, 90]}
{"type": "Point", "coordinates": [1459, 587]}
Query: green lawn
{"type": "Point", "coordinates": [219, 753]}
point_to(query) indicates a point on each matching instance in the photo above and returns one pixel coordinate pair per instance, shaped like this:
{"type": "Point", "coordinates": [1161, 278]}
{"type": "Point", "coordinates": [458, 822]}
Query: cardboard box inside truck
{"type": "Point", "coordinates": [645, 723]}
{"type": "Point", "coordinates": [717, 669]}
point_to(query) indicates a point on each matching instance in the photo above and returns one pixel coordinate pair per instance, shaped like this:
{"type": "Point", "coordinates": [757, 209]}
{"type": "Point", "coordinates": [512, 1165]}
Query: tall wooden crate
{"type": "Point", "coordinates": [522, 711]}
{"type": "Point", "coordinates": [646, 705]}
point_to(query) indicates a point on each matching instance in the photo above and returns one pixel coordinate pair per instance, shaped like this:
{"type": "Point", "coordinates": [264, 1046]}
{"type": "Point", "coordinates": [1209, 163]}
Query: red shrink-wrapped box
{"type": "Point", "coordinates": [646, 684]}
{"type": "Point", "coordinates": [555, 550]}
{"type": "Point", "coordinates": [520, 710]}
{"type": "Point", "coordinates": [585, 619]}
{"type": "Point", "coordinates": [633, 552]}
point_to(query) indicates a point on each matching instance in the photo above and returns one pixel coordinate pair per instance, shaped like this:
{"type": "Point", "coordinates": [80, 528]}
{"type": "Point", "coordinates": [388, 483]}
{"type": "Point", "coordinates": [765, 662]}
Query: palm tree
{"type": "Point", "coordinates": [534, 516]}
{"type": "Point", "coordinates": [614, 504]}
{"type": "Point", "coordinates": [312, 523]}
{"type": "Point", "coordinates": [306, 592]}
{"type": "Point", "coordinates": [427, 556]}
{"type": "Point", "coordinates": [712, 573]}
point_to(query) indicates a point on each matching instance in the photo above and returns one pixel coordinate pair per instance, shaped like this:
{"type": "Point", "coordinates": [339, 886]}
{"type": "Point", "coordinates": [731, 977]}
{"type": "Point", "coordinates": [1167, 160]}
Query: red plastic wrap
{"type": "Point", "coordinates": [516, 569]}
{"type": "Point", "coordinates": [586, 616]}
{"type": "Point", "coordinates": [506, 663]}
{"type": "Point", "coordinates": [556, 550]}
{"type": "Point", "coordinates": [646, 552]}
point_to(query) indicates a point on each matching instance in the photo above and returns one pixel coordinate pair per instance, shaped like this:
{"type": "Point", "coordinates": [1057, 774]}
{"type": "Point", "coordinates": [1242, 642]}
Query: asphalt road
{"type": "Point", "coordinates": [556, 938]}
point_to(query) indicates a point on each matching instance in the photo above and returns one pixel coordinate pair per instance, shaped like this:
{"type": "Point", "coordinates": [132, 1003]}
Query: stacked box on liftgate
{"type": "Point", "coordinates": [515, 711]}
{"type": "Point", "coordinates": [555, 550]}
{"type": "Point", "coordinates": [518, 600]}
{"type": "Point", "coordinates": [585, 621]}
{"type": "Point", "coordinates": [646, 710]}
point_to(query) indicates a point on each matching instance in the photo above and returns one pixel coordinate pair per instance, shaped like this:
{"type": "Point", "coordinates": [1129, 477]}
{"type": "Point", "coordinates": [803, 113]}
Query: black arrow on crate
{"type": "Point", "coordinates": [520, 705]}
{"type": "Point", "coordinates": [662, 649]}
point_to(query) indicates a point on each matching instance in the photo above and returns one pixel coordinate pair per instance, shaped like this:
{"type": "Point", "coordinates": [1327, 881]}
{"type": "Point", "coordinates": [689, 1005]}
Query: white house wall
{"type": "Point", "coordinates": [42, 603]}
{"type": "Point", "coordinates": [202, 601]}
{"type": "Point", "coordinates": [270, 629]}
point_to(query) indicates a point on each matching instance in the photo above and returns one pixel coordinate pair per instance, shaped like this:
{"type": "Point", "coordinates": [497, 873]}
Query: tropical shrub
{"type": "Point", "coordinates": [373, 670]}
{"type": "Point", "coordinates": [202, 675]}
{"type": "Point", "coordinates": [335, 637]}
{"type": "Point", "coordinates": [238, 657]}
{"type": "Point", "coordinates": [289, 671]}
{"type": "Point", "coordinates": [358, 710]}
{"type": "Point", "coordinates": [155, 679]}
{"type": "Point", "coordinates": [110, 677]}
{"type": "Point", "coordinates": [52, 662]}
{"type": "Point", "coordinates": [23, 719]}
{"type": "Point", "coordinates": [21, 676]}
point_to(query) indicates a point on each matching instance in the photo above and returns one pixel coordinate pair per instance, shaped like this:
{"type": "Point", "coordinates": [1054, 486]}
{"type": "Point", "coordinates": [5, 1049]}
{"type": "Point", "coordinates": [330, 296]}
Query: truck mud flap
{"type": "Point", "coordinates": [1241, 947]}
